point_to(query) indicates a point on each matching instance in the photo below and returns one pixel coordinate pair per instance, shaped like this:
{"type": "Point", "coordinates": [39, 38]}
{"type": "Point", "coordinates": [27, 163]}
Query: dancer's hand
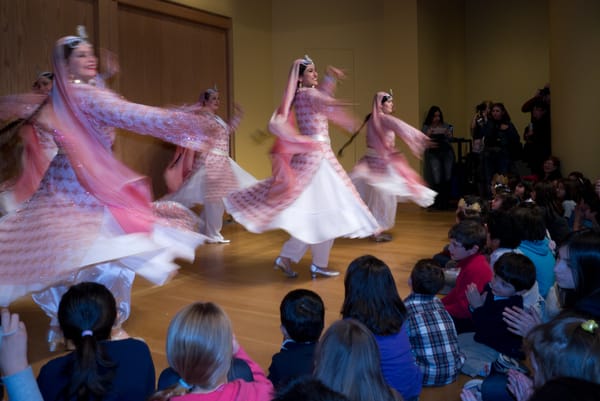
{"type": "Point", "coordinates": [519, 385]}
{"type": "Point", "coordinates": [335, 72]}
{"type": "Point", "coordinates": [521, 321]}
{"type": "Point", "coordinates": [238, 114]}
{"type": "Point", "coordinates": [13, 349]}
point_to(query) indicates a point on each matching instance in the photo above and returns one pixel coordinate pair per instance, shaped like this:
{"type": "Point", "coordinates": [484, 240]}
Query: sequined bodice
{"type": "Point", "coordinates": [311, 121]}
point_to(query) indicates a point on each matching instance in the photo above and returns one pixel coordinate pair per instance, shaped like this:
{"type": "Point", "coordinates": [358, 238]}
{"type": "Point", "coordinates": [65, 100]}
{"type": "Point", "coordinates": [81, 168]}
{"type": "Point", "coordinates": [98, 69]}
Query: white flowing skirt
{"type": "Point", "coordinates": [195, 190]}
{"type": "Point", "coordinates": [325, 210]}
{"type": "Point", "coordinates": [382, 193]}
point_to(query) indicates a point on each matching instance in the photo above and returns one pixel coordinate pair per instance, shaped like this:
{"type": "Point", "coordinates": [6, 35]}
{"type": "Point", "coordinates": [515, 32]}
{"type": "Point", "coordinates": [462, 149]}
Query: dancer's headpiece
{"type": "Point", "coordinates": [81, 37]}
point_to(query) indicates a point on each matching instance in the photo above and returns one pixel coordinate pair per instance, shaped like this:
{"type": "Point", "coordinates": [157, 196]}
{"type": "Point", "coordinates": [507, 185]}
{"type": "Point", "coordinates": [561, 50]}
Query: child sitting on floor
{"type": "Point", "coordinates": [467, 240]}
{"type": "Point", "coordinates": [302, 319]}
{"type": "Point", "coordinates": [514, 274]}
{"type": "Point", "coordinates": [430, 328]}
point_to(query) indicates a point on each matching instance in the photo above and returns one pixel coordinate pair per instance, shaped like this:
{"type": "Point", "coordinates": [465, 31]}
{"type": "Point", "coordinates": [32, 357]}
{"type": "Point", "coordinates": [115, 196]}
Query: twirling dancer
{"type": "Point", "coordinates": [309, 195]}
{"type": "Point", "coordinates": [207, 177]}
{"type": "Point", "coordinates": [37, 150]}
{"type": "Point", "coordinates": [91, 218]}
{"type": "Point", "coordinates": [383, 176]}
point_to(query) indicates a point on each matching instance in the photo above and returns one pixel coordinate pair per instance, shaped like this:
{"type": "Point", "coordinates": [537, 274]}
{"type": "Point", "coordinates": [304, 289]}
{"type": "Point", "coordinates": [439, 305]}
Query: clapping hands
{"type": "Point", "coordinates": [475, 299]}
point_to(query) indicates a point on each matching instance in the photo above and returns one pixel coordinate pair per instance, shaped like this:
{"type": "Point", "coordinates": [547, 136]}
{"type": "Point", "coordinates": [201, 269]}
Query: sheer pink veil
{"type": "Point", "coordinates": [375, 125]}
{"type": "Point", "coordinates": [415, 139]}
{"type": "Point", "coordinates": [124, 192]}
{"type": "Point", "coordinates": [289, 141]}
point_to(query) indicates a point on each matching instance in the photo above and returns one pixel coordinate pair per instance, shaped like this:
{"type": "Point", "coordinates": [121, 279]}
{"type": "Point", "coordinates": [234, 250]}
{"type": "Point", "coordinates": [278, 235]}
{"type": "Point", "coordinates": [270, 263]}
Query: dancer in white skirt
{"type": "Point", "coordinates": [383, 176]}
{"type": "Point", "coordinates": [92, 218]}
{"type": "Point", "coordinates": [309, 195]}
{"type": "Point", "coordinates": [207, 177]}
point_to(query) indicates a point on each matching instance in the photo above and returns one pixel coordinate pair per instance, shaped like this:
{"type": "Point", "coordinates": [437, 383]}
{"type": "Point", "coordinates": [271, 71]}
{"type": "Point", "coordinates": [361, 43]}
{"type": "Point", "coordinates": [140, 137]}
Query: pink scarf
{"type": "Point", "coordinates": [124, 192]}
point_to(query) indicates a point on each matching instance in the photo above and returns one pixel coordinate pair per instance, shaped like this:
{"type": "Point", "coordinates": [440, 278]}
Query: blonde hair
{"type": "Point", "coordinates": [199, 347]}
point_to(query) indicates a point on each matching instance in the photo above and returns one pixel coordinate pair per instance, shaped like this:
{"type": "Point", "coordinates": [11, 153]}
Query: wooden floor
{"type": "Point", "coordinates": [240, 277]}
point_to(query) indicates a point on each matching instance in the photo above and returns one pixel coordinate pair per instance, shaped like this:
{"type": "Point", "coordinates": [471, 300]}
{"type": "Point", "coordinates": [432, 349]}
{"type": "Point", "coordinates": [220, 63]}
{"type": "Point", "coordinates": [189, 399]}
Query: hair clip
{"type": "Point", "coordinates": [589, 326]}
{"type": "Point", "coordinates": [306, 60]}
{"type": "Point", "coordinates": [184, 384]}
{"type": "Point", "coordinates": [45, 74]}
{"type": "Point", "coordinates": [87, 333]}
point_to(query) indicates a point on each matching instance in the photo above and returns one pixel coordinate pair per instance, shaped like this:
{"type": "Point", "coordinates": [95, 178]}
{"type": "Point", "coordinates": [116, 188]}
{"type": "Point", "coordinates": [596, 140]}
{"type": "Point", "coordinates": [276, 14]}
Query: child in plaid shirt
{"type": "Point", "coordinates": [431, 331]}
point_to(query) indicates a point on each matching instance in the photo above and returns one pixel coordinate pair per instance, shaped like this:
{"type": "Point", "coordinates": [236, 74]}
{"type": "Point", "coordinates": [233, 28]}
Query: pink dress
{"type": "Point", "coordinates": [318, 202]}
{"type": "Point", "coordinates": [38, 151]}
{"type": "Point", "coordinates": [213, 174]}
{"type": "Point", "coordinates": [64, 231]}
{"type": "Point", "coordinates": [383, 176]}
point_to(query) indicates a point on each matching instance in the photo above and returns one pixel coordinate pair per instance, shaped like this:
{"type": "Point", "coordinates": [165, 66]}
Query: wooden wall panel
{"type": "Point", "coordinates": [168, 55]}
{"type": "Point", "coordinates": [166, 61]}
{"type": "Point", "coordinates": [29, 29]}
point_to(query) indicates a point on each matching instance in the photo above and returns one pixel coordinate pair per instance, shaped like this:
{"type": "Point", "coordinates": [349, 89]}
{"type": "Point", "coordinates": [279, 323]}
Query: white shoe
{"type": "Point", "coordinates": [218, 241]}
{"type": "Point", "coordinates": [284, 267]}
{"type": "Point", "coordinates": [323, 271]}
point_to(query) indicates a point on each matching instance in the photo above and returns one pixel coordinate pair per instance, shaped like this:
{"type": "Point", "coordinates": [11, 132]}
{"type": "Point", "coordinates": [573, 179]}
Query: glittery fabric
{"type": "Point", "coordinates": [320, 205]}
{"type": "Point", "coordinates": [214, 174]}
{"type": "Point", "coordinates": [63, 228]}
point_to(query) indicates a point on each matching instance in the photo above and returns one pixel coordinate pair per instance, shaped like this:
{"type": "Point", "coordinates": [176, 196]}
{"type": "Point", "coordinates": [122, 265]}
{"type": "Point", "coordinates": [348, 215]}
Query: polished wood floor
{"type": "Point", "coordinates": [240, 277]}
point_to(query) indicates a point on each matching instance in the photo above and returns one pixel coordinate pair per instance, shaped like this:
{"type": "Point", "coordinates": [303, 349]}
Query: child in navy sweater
{"type": "Point", "coordinates": [514, 274]}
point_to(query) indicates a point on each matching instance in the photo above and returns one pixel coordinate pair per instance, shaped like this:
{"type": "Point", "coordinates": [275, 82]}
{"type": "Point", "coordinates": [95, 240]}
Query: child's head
{"type": "Point", "coordinates": [504, 200]}
{"type": "Point", "coordinates": [529, 223]}
{"type": "Point", "coordinates": [569, 189]}
{"type": "Point", "coordinates": [86, 313]}
{"type": "Point", "coordinates": [200, 345]}
{"type": "Point", "coordinates": [302, 315]}
{"type": "Point", "coordinates": [577, 267]}
{"type": "Point", "coordinates": [499, 182]}
{"type": "Point", "coordinates": [467, 238]}
{"type": "Point", "coordinates": [347, 360]}
{"type": "Point", "coordinates": [514, 273]}
{"type": "Point", "coordinates": [371, 296]}
{"type": "Point", "coordinates": [471, 207]}
{"type": "Point", "coordinates": [565, 346]}
{"type": "Point", "coordinates": [567, 389]}
{"type": "Point", "coordinates": [523, 190]}
{"type": "Point", "coordinates": [308, 388]}
{"type": "Point", "coordinates": [501, 230]}
{"type": "Point", "coordinates": [427, 277]}
{"type": "Point", "coordinates": [87, 310]}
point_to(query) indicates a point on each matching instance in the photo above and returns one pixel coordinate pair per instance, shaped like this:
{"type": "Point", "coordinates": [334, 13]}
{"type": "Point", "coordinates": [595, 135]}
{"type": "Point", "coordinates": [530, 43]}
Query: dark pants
{"type": "Point", "coordinates": [438, 172]}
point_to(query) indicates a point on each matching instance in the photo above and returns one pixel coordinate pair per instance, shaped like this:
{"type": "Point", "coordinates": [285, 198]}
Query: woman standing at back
{"type": "Point", "coordinates": [439, 159]}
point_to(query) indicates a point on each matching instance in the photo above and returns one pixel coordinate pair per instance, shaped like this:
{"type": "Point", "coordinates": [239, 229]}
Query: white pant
{"type": "Point", "coordinates": [295, 250]}
{"type": "Point", "coordinates": [212, 220]}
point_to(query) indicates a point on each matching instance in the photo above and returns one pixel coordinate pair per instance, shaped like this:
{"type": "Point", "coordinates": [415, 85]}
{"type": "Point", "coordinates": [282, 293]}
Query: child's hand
{"type": "Point", "coordinates": [519, 385]}
{"type": "Point", "coordinates": [521, 321]}
{"type": "Point", "coordinates": [467, 395]}
{"type": "Point", "coordinates": [475, 299]}
{"type": "Point", "coordinates": [13, 350]}
{"type": "Point", "coordinates": [236, 345]}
